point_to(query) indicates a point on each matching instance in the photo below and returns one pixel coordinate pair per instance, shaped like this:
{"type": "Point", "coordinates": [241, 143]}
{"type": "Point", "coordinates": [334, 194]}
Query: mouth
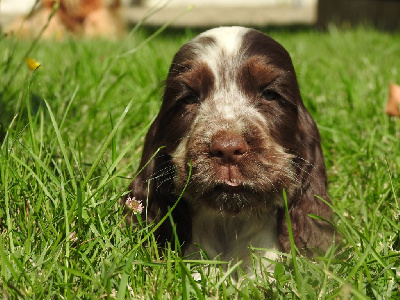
{"type": "Point", "coordinates": [226, 196]}
{"type": "Point", "coordinates": [232, 182]}
{"type": "Point", "coordinates": [230, 197]}
{"type": "Point", "coordinates": [231, 188]}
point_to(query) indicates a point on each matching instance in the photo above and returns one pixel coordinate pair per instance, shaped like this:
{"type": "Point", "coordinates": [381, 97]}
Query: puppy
{"type": "Point", "coordinates": [232, 135]}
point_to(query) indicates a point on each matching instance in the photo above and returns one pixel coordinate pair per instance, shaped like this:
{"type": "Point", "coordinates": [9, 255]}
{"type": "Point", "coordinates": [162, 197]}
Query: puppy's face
{"type": "Point", "coordinates": [230, 117]}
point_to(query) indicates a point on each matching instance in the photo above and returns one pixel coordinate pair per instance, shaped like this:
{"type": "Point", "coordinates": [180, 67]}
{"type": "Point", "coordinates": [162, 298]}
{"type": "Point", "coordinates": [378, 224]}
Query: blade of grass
{"type": "Point", "coordinates": [105, 145]}
{"type": "Point", "coordinates": [193, 283]}
{"type": "Point", "coordinates": [42, 165]}
{"type": "Point", "coordinates": [32, 46]}
{"type": "Point", "coordinates": [107, 178]}
{"type": "Point", "coordinates": [151, 12]}
{"type": "Point", "coordinates": [66, 224]}
{"type": "Point", "coordinates": [68, 107]}
{"type": "Point", "coordinates": [5, 140]}
{"type": "Point", "coordinates": [80, 204]}
{"type": "Point", "coordinates": [396, 202]}
{"type": "Point", "coordinates": [124, 278]}
{"type": "Point", "coordinates": [356, 292]}
{"type": "Point", "coordinates": [76, 273]}
{"type": "Point", "coordinates": [227, 274]}
{"type": "Point", "coordinates": [34, 175]}
{"type": "Point", "coordinates": [293, 248]}
{"type": "Point", "coordinates": [4, 175]}
{"type": "Point", "coordinates": [155, 34]}
{"type": "Point", "coordinates": [61, 145]}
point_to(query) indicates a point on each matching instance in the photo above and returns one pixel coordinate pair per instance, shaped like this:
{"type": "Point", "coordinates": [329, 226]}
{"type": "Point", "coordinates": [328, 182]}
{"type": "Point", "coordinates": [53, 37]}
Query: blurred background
{"type": "Point", "coordinates": [383, 14]}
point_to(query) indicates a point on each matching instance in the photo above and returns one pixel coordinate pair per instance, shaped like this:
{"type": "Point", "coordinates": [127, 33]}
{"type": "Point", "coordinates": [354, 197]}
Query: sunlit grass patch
{"type": "Point", "coordinates": [71, 138]}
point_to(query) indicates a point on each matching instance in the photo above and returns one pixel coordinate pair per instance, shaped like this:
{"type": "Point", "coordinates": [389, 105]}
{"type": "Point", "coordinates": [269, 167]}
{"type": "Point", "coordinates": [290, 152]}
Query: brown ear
{"type": "Point", "coordinates": [141, 189]}
{"type": "Point", "coordinates": [154, 187]}
{"type": "Point", "coordinates": [309, 234]}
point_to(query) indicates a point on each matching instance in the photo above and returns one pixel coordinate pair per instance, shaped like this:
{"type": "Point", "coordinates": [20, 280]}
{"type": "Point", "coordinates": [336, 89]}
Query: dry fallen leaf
{"type": "Point", "coordinates": [393, 104]}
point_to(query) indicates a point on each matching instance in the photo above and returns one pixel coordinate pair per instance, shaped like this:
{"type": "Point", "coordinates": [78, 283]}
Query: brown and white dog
{"type": "Point", "coordinates": [87, 18]}
{"type": "Point", "coordinates": [233, 117]}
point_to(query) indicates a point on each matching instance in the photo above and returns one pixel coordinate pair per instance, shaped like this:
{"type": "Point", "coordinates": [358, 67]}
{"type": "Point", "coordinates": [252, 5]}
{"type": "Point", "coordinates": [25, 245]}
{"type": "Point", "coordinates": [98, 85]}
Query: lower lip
{"type": "Point", "coordinates": [232, 183]}
{"type": "Point", "coordinates": [231, 189]}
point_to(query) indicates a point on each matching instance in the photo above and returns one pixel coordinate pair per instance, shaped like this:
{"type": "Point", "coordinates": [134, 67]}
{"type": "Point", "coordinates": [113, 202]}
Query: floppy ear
{"type": "Point", "coordinates": [309, 234]}
{"type": "Point", "coordinates": [141, 189]}
{"type": "Point", "coordinates": [154, 187]}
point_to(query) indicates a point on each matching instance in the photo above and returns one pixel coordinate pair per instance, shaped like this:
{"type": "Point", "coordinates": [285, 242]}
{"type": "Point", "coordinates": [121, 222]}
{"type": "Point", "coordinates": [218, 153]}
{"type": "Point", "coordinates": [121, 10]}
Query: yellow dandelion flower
{"type": "Point", "coordinates": [32, 63]}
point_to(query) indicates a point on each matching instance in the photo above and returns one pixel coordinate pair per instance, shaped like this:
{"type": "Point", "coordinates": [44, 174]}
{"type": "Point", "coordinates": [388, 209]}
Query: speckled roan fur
{"type": "Point", "coordinates": [235, 86]}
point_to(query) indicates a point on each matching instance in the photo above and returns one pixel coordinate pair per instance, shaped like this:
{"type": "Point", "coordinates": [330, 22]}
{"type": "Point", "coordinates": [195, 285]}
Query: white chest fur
{"type": "Point", "coordinates": [228, 237]}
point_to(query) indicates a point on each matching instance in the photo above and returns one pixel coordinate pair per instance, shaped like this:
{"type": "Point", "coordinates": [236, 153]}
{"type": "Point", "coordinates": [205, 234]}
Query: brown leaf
{"type": "Point", "coordinates": [393, 104]}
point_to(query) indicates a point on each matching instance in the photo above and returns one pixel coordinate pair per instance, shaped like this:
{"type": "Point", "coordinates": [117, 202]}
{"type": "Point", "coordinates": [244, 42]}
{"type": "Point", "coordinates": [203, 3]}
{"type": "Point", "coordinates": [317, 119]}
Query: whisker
{"type": "Point", "coordinates": [286, 172]}
{"type": "Point", "coordinates": [297, 165]}
{"type": "Point", "coordinates": [260, 166]}
{"type": "Point", "coordinates": [166, 179]}
{"type": "Point", "coordinates": [164, 171]}
{"type": "Point", "coordinates": [302, 158]}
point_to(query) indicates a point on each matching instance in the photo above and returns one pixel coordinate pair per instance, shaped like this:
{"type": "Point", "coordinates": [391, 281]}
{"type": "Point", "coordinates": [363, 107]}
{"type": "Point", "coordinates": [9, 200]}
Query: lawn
{"type": "Point", "coordinates": [70, 141]}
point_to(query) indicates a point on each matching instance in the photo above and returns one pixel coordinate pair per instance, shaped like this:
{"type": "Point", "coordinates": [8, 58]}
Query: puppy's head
{"type": "Point", "coordinates": [232, 121]}
{"type": "Point", "coordinates": [230, 114]}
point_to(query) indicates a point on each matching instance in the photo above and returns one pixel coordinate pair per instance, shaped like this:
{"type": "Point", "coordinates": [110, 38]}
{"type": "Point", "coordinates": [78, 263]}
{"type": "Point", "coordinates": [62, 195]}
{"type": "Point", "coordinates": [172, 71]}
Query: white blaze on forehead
{"type": "Point", "coordinates": [227, 44]}
{"type": "Point", "coordinates": [227, 101]}
{"type": "Point", "coordinates": [228, 39]}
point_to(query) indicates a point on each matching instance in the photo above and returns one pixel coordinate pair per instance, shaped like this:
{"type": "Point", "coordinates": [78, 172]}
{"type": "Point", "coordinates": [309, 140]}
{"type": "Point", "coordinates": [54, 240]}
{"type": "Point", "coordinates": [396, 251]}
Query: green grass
{"type": "Point", "coordinates": [71, 136]}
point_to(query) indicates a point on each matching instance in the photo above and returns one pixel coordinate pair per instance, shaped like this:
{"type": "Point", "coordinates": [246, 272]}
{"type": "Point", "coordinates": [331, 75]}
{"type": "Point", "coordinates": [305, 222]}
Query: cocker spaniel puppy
{"type": "Point", "coordinates": [232, 134]}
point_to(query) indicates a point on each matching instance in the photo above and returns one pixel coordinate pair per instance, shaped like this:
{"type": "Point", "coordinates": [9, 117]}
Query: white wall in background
{"type": "Point", "coordinates": [233, 2]}
{"type": "Point", "coordinates": [24, 6]}
{"type": "Point", "coordinates": [16, 6]}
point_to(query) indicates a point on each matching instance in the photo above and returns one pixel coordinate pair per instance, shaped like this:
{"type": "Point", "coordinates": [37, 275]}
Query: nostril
{"type": "Point", "coordinates": [228, 146]}
{"type": "Point", "coordinates": [239, 152]}
{"type": "Point", "coordinates": [216, 153]}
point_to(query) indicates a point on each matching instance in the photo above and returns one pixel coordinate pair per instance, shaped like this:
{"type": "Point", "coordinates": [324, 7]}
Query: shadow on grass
{"type": "Point", "coordinates": [9, 110]}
